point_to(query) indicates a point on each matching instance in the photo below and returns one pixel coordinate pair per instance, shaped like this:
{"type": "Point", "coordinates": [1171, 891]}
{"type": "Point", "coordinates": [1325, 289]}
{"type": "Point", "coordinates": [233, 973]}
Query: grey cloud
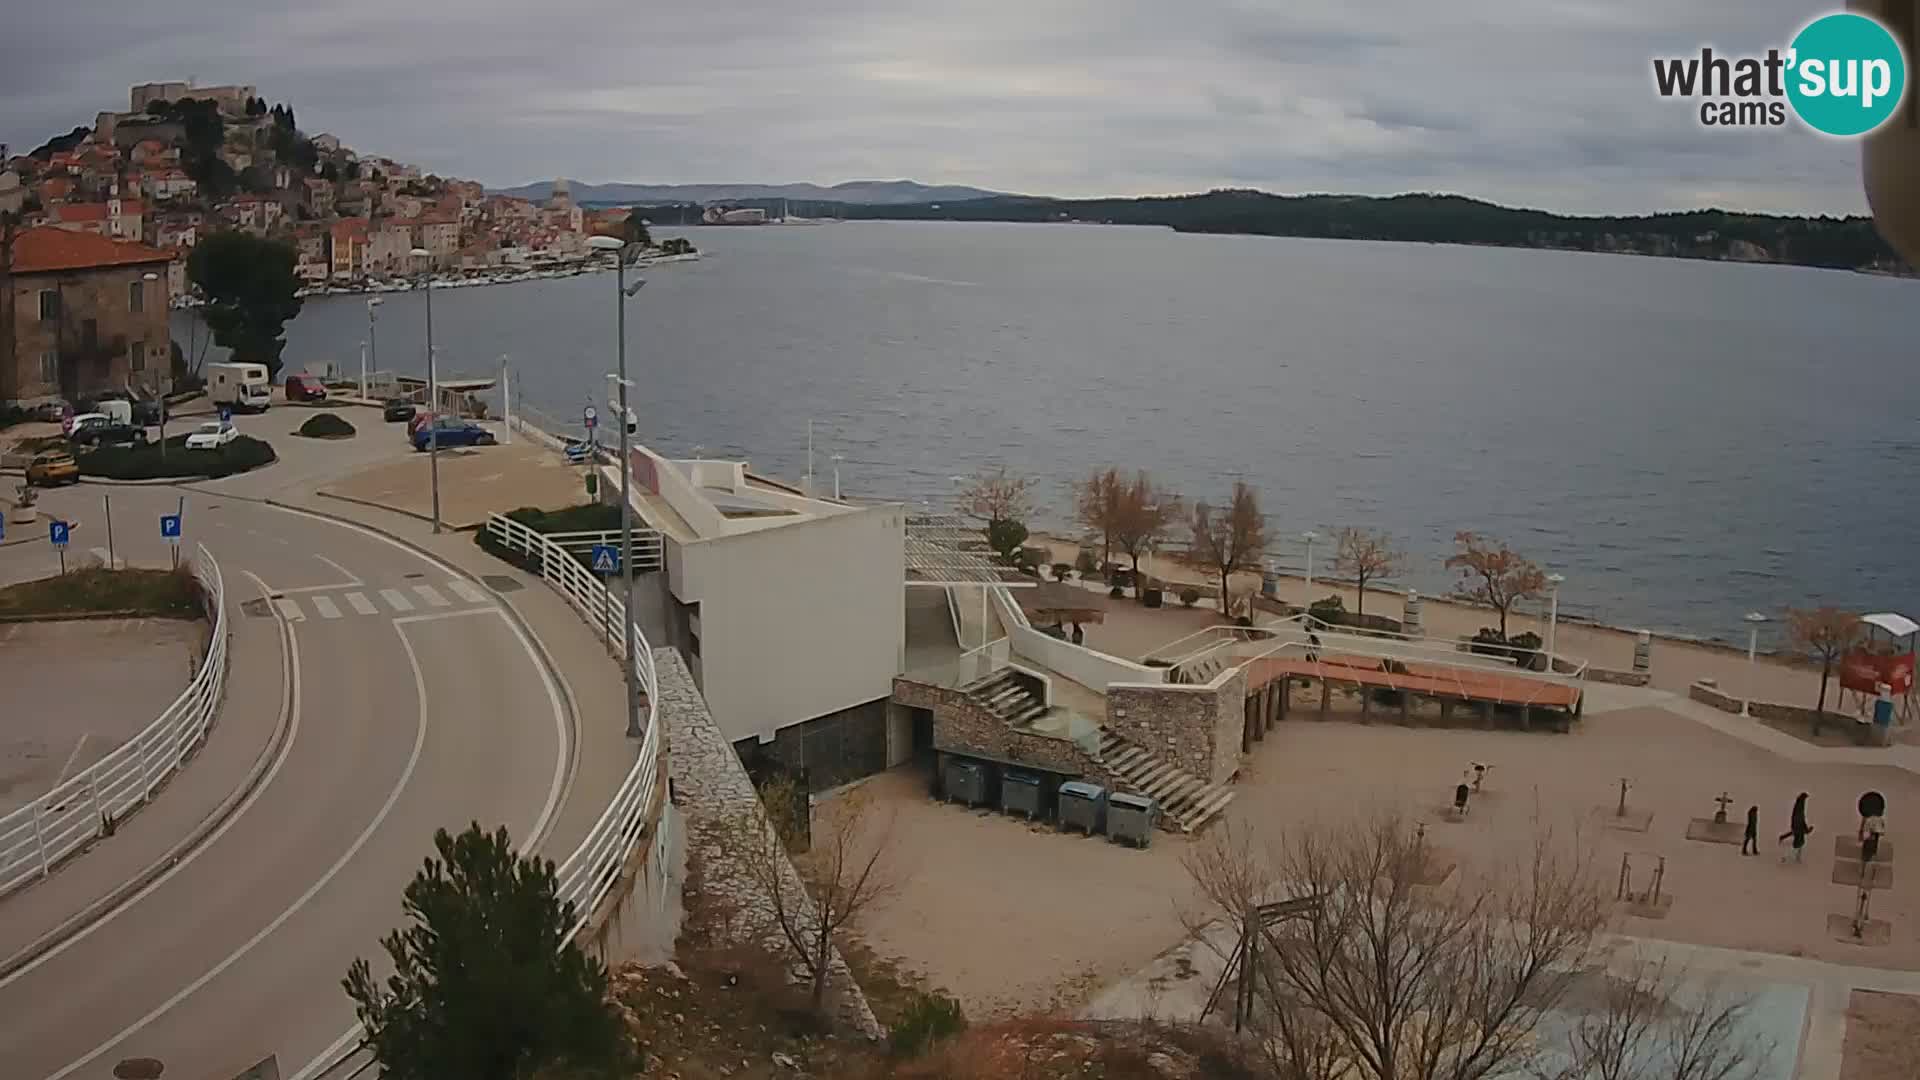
{"type": "Point", "coordinates": [1543, 102]}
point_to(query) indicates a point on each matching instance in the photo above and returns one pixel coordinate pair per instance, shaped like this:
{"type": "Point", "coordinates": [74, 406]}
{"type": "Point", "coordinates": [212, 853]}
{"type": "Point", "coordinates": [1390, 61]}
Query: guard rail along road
{"type": "Point", "coordinates": [91, 803]}
{"type": "Point", "coordinates": [589, 874]}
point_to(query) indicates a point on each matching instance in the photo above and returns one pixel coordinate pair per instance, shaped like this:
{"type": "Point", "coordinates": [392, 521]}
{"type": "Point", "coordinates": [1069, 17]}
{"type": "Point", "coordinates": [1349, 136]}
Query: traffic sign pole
{"type": "Point", "coordinates": [107, 502]}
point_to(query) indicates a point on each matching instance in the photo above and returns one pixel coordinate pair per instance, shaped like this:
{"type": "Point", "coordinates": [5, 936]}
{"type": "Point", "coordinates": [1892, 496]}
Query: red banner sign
{"type": "Point", "coordinates": [1864, 671]}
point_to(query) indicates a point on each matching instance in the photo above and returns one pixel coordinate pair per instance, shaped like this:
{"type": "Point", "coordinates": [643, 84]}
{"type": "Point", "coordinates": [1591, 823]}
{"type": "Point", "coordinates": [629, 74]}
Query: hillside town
{"type": "Point", "coordinates": [96, 226]}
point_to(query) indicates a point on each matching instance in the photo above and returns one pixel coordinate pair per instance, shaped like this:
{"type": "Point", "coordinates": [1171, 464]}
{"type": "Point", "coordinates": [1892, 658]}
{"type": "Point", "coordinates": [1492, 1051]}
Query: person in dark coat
{"type": "Point", "coordinates": [1750, 843]}
{"type": "Point", "coordinates": [1798, 829]}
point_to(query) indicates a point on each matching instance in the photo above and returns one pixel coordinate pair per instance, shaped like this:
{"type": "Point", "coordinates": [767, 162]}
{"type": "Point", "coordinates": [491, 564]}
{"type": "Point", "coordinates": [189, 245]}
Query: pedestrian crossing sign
{"type": "Point", "coordinates": [606, 559]}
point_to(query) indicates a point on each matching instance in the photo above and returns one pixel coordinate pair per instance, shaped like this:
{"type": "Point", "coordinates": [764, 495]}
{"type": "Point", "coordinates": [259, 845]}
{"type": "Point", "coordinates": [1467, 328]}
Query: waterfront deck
{"type": "Point", "coordinates": [1466, 684]}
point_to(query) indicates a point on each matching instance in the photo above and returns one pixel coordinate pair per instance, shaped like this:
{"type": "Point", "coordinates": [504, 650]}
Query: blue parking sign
{"type": "Point", "coordinates": [169, 526]}
{"type": "Point", "coordinates": [606, 559]}
{"type": "Point", "coordinates": [57, 532]}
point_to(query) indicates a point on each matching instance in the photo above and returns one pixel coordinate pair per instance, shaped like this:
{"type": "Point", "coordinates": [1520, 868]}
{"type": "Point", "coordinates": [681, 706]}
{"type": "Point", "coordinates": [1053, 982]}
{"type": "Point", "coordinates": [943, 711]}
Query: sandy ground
{"type": "Point", "coordinates": [1883, 1037]}
{"type": "Point", "coordinates": [1676, 664]}
{"type": "Point", "coordinates": [1009, 916]}
{"type": "Point", "coordinates": [96, 682]}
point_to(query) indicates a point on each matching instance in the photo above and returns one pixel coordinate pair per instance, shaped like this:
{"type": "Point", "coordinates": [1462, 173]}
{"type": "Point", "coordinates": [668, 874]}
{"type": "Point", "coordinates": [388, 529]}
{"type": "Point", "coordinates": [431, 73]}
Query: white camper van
{"type": "Point", "coordinates": [244, 387]}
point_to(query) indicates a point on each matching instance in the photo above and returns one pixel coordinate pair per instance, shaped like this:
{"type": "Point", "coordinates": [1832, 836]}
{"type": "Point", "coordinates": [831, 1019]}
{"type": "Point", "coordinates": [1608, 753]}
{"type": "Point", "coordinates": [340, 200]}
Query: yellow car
{"type": "Point", "coordinates": [50, 467]}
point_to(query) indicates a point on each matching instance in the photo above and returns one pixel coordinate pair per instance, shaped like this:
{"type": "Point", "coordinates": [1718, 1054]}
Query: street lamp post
{"type": "Point", "coordinates": [433, 387]}
{"type": "Point", "coordinates": [837, 459]}
{"type": "Point", "coordinates": [369, 350]}
{"type": "Point", "coordinates": [1553, 615]}
{"type": "Point", "coordinates": [621, 294]}
{"type": "Point", "coordinates": [1754, 619]}
{"type": "Point", "coordinates": [1309, 537]}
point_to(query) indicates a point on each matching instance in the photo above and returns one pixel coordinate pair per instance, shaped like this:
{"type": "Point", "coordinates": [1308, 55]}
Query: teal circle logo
{"type": "Point", "coordinates": [1847, 74]}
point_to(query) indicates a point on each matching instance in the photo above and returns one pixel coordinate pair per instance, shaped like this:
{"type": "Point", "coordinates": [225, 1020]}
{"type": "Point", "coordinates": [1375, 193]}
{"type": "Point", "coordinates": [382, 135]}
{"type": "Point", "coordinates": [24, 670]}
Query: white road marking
{"type": "Point", "coordinates": [466, 590]}
{"type": "Point", "coordinates": [393, 797]}
{"type": "Point", "coordinates": [78, 744]}
{"type": "Point", "coordinates": [344, 572]}
{"type": "Point", "coordinates": [289, 610]}
{"type": "Point", "coordinates": [325, 606]}
{"type": "Point", "coordinates": [432, 596]}
{"type": "Point", "coordinates": [290, 710]}
{"type": "Point", "coordinates": [360, 604]}
{"type": "Point", "coordinates": [396, 599]}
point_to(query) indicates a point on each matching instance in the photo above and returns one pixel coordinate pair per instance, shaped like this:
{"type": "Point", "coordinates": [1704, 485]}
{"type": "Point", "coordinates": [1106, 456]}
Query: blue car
{"type": "Point", "coordinates": [452, 433]}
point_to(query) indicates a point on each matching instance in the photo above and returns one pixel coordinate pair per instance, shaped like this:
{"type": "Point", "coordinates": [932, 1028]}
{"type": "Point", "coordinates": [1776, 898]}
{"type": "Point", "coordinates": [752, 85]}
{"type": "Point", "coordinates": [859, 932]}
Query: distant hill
{"type": "Point", "coordinates": [863, 192]}
{"type": "Point", "coordinates": [1846, 243]}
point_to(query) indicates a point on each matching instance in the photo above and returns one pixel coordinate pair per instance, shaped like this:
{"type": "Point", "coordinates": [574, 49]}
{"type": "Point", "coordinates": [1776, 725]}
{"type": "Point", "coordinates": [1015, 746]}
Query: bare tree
{"type": "Point", "coordinates": [1494, 575]}
{"type": "Point", "coordinates": [1646, 1026]}
{"type": "Point", "coordinates": [1001, 501]}
{"type": "Point", "coordinates": [1096, 502]}
{"type": "Point", "coordinates": [1827, 633]}
{"type": "Point", "coordinates": [1143, 514]}
{"type": "Point", "coordinates": [1365, 555]}
{"type": "Point", "coordinates": [809, 897]}
{"type": "Point", "coordinates": [1230, 539]}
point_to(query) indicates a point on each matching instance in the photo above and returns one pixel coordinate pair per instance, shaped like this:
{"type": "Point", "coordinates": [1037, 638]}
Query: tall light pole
{"type": "Point", "coordinates": [369, 351]}
{"type": "Point", "coordinates": [837, 459]}
{"type": "Point", "coordinates": [1754, 619]}
{"type": "Point", "coordinates": [1309, 537]}
{"type": "Point", "coordinates": [1553, 616]}
{"type": "Point", "coordinates": [433, 385]}
{"type": "Point", "coordinates": [620, 296]}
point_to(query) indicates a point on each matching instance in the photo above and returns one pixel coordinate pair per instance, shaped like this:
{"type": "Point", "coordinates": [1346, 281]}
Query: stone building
{"type": "Point", "coordinates": [79, 313]}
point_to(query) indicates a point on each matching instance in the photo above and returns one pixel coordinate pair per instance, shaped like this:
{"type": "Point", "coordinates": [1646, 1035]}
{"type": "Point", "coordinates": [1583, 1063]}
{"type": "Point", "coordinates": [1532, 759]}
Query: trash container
{"type": "Point", "coordinates": [1131, 818]}
{"type": "Point", "coordinates": [966, 781]}
{"type": "Point", "coordinates": [1020, 793]}
{"type": "Point", "coordinates": [1083, 806]}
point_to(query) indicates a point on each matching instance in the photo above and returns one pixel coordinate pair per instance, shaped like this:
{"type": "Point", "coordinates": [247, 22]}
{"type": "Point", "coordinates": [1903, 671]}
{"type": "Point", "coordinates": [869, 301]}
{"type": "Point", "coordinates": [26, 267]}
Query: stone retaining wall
{"type": "Point", "coordinates": [1619, 678]}
{"type": "Point", "coordinates": [1195, 727]}
{"type": "Point", "coordinates": [960, 724]}
{"type": "Point", "coordinates": [711, 787]}
{"type": "Point", "coordinates": [1708, 694]}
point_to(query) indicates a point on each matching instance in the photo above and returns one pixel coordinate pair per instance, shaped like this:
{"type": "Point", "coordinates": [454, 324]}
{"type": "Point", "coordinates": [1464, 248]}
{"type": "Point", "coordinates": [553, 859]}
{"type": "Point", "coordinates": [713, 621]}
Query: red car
{"type": "Point", "coordinates": [305, 388]}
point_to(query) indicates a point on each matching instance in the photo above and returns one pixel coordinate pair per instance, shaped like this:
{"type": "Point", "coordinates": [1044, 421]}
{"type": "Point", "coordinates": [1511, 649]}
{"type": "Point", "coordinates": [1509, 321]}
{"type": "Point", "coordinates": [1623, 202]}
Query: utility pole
{"type": "Point", "coordinates": [620, 295]}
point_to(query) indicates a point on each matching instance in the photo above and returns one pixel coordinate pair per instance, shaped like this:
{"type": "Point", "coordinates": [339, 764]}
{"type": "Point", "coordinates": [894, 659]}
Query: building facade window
{"type": "Point", "coordinates": [49, 305]}
{"type": "Point", "coordinates": [137, 356]}
{"type": "Point", "coordinates": [49, 367]}
{"type": "Point", "coordinates": [136, 296]}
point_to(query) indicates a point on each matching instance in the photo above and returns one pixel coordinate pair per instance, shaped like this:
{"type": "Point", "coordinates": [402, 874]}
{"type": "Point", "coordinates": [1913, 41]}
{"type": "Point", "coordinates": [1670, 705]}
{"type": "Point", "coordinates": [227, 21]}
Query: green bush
{"type": "Point", "coordinates": [585, 517]}
{"type": "Point", "coordinates": [928, 1019]}
{"type": "Point", "coordinates": [1330, 609]}
{"type": "Point", "coordinates": [326, 425]}
{"type": "Point", "coordinates": [166, 594]}
{"type": "Point", "coordinates": [1085, 563]}
{"type": "Point", "coordinates": [148, 463]}
{"type": "Point", "coordinates": [1189, 596]}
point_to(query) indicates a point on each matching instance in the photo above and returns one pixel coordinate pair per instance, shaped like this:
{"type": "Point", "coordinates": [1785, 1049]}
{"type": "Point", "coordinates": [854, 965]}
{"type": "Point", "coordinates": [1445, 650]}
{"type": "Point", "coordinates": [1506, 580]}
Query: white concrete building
{"type": "Point", "coordinates": [789, 609]}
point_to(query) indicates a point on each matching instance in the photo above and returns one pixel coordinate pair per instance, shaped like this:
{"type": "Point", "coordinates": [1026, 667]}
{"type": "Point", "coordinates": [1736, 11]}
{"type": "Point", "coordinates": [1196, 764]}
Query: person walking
{"type": "Point", "coordinates": [1798, 829]}
{"type": "Point", "coordinates": [1750, 843]}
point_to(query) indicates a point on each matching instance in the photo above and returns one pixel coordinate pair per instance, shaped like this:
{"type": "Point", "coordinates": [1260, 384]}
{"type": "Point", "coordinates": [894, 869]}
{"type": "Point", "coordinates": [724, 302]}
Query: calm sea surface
{"type": "Point", "coordinates": [1684, 441]}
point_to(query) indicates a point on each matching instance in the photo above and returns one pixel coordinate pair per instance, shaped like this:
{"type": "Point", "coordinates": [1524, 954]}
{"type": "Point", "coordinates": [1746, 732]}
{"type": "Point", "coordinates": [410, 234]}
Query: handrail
{"type": "Point", "coordinates": [590, 873]}
{"type": "Point", "coordinates": [92, 802]}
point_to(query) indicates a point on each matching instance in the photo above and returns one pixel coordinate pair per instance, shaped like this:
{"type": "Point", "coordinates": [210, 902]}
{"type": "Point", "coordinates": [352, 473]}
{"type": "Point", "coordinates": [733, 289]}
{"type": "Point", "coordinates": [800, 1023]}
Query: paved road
{"type": "Point", "coordinates": [416, 705]}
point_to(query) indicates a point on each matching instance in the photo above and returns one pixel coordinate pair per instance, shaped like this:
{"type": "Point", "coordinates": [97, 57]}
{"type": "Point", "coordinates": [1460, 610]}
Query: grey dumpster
{"type": "Point", "coordinates": [1083, 806]}
{"type": "Point", "coordinates": [1020, 793]}
{"type": "Point", "coordinates": [1131, 818]}
{"type": "Point", "coordinates": [966, 781]}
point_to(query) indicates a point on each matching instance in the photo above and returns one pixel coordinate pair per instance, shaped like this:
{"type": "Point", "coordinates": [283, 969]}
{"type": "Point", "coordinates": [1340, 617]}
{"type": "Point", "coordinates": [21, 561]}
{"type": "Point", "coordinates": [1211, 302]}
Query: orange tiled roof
{"type": "Point", "coordinates": [46, 249]}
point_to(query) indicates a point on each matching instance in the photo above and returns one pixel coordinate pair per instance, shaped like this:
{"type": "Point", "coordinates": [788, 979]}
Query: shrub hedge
{"type": "Point", "coordinates": [326, 425]}
{"type": "Point", "coordinates": [178, 463]}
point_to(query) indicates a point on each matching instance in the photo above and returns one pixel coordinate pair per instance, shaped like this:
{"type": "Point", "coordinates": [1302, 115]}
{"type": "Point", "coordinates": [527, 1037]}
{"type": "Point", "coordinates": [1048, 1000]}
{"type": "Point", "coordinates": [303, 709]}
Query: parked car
{"type": "Point", "coordinates": [397, 409]}
{"type": "Point", "coordinates": [451, 432]}
{"type": "Point", "coordinates": [50, 467]}
{"type": "Point", "coordinates": [79, 422]}
{"type": "Point", "coordinates": [212, 435]}
{"type": "Point", "coordinates": [305, 388]}
{"type": "Point", "coordinates": [111, 433]}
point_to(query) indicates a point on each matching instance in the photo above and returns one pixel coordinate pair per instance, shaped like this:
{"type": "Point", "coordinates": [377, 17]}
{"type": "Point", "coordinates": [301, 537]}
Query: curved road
{"type": "Point", "coordinates": [413, 703]}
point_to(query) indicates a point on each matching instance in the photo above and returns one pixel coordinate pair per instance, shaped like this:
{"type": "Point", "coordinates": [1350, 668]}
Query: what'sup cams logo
{"type": "Point", "coordinates": [1844, 75]}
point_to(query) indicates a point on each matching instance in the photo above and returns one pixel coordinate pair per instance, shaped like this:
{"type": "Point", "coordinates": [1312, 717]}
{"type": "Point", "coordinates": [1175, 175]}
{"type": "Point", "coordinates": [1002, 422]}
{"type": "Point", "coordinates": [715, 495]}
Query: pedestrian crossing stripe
{"type": "Point", "coordinates": [466, 590]}
{"type": "Point", "coordinates": [396, 599]}
{"type": "Point", "coordinates": [432, 596]}
{"type": "Point", "coordinates": [325, 606]}
{"type": "Point", "coordinates": [289, 610]}
{"type": "Point", "coordinates": [361, 605]}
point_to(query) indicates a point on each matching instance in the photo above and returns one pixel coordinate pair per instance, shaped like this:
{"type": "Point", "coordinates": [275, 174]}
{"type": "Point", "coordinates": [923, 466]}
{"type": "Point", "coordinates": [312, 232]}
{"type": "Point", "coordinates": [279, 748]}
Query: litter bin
{"type": "Point", "coordinates": [1130, 818]}
{"type": "Point", "coordinates": [1083, 806]}
{"type": "Point", "coordinates": [966, 781]}
{"type": "Point", "coordinates": [1020, 793]}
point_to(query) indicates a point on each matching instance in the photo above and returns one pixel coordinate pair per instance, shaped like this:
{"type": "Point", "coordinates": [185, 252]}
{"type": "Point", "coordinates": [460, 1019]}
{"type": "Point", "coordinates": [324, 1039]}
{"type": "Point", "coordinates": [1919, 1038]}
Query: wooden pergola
{"type": "Point", "coordinates": [1056, 603]}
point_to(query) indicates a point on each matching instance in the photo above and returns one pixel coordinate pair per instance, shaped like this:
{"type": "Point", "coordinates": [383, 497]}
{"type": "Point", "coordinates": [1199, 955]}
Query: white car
{"type": "Point", "coordinates": [212, 435]}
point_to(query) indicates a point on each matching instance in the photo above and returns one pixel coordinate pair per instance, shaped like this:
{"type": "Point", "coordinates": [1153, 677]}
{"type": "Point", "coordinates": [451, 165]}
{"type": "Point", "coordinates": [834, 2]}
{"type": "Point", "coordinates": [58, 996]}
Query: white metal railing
{"type": "Point", "coordinates": [92, 802]}
{"type": "Point", "coordinates": [587, 875]}
{"type": "Point", "coordinates": [647, 545]}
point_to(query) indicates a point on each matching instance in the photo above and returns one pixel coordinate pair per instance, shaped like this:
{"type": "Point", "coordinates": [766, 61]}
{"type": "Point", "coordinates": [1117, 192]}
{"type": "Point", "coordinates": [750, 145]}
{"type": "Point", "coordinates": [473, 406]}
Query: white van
{"type": "Point", "coordinates": [244, 387]}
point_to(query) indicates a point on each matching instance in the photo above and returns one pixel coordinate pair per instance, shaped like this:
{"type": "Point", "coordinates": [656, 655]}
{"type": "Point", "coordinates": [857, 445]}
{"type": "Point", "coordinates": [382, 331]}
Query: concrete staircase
{"type": "Point", "coordinates": [1007, 696]}
{"type": "Point", "coordinates": [1200, 671]}
{"type": "Point", "coordinates": [1187, 801]}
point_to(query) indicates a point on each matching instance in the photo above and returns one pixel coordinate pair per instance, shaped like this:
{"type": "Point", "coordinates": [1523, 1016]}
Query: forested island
{"type": "Point", "coordinates": [1841, 243]}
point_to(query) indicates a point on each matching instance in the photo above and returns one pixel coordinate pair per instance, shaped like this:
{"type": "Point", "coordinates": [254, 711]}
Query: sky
{"type": "Point", "coordinates": [1547, 103]}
